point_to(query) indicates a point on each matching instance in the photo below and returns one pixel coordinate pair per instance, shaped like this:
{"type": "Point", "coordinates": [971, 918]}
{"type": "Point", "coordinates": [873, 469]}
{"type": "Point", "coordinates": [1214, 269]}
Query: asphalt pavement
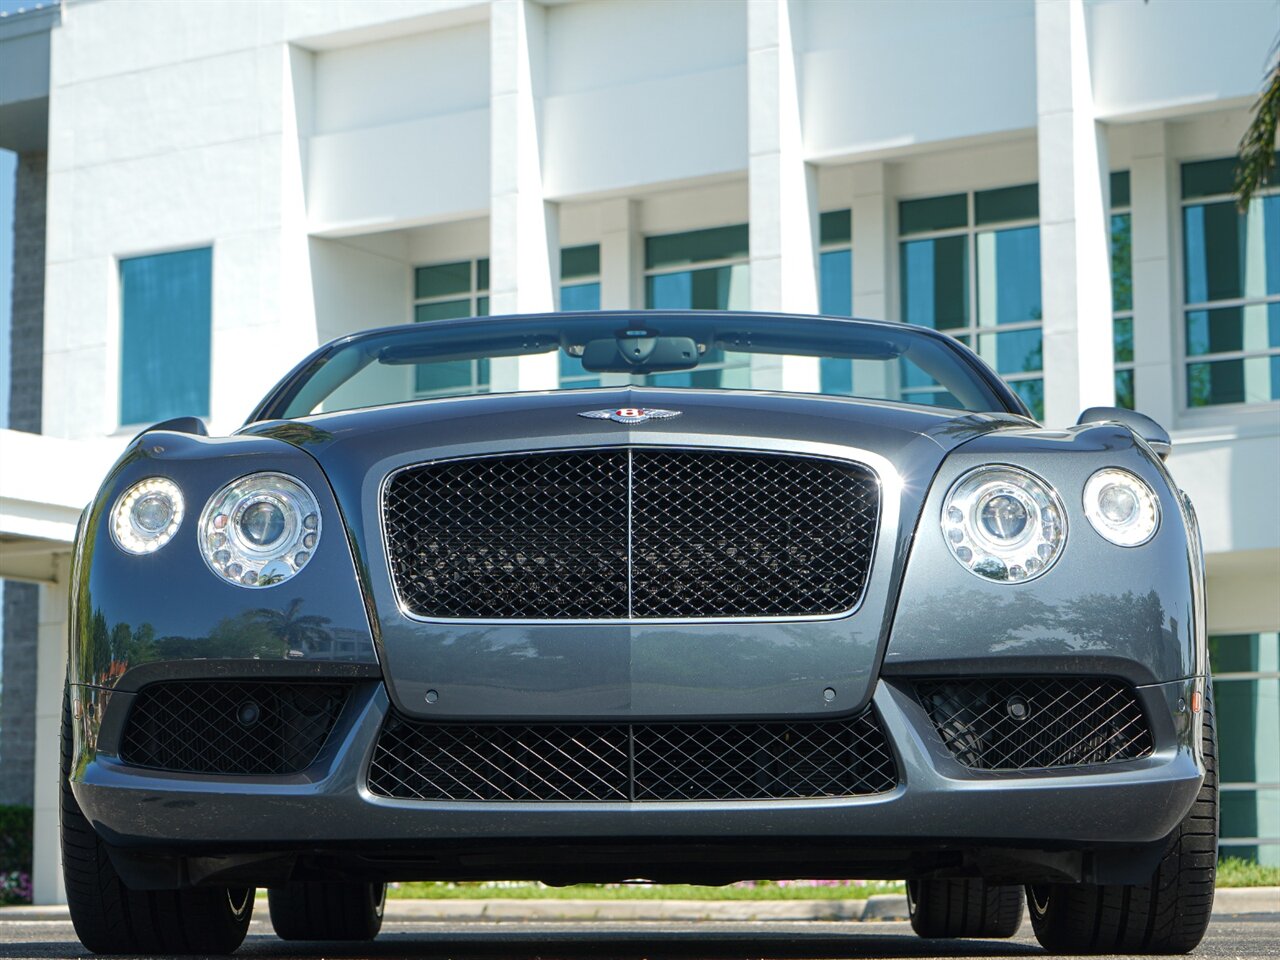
{"type": "Point", "coordinates": [1252, 937]}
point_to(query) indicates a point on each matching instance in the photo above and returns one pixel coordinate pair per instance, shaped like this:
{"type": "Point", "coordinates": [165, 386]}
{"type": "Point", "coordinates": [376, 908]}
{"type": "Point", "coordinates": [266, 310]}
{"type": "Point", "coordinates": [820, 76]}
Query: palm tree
{"type": "Point", "coordinates": [296, 632]}
{"type": "Point", "coordinates": [1258, 145]}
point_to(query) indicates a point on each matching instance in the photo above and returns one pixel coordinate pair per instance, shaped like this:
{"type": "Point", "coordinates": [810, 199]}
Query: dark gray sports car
{"type": "Point", "coordinates": [744, 596]}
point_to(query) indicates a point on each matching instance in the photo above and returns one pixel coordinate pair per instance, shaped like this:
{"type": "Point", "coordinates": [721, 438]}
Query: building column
{"type": "Point", "coordinates": [524, 250]}
{"type": "Point", "coordinates": [873, 260]}
{"type": "Point", "coordinates": [872, 245]}
{"type": "Point", "coordinates": [1075, 247]}
{"type": "Point", "coordinates": [26, 378]}
{"type": "Point", "coordinates": [1152, 191]}
{"type": "Point", "coordinates": [51, 674]}
{"type": "Point", "coordinates": [621, 256]}
{"type": "Point", "coordinates": [782, 187]}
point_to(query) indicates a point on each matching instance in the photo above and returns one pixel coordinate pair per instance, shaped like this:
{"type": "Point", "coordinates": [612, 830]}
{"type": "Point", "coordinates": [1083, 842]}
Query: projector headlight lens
{"type": "Point", "coordinates": [1003, 523]}
{"type": "Point", "coordinates": [260, 530]}
{"type": "Point", "coordinates": [1121, 507]}
{"type": "Point", "coordinates": [147, 515]}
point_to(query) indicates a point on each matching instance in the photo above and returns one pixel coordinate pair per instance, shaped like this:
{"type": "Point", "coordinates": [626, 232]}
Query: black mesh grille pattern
{"type": "Point", "coordinates": [416, 760]}
{"type": "Point", "coordinates": [1024, 723]}
{"type": "Point", "coordinates": [631, 534]}
{"type": "Point", "coordinates": [231, 726]}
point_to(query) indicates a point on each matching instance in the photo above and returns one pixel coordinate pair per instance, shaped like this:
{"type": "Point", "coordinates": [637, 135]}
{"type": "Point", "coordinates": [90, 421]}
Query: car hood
{"type": "Point", "coordinates": [632, 669]}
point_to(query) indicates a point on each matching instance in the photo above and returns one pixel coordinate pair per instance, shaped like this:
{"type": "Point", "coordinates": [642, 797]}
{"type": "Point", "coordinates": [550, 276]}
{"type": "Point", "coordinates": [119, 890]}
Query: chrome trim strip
{"type": "Point", "coordinates": [881, 511]}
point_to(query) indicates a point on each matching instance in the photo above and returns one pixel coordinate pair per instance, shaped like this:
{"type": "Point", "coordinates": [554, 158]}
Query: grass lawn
{"type": "Point", "coordinates": [763, 890]}
{"type": "Point", "coordinates": [1232, 872]}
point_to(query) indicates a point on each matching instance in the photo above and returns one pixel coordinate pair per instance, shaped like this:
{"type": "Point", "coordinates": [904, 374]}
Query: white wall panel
{"type": "Point", "coordinates": [396, 175]}
{"type": "Point", "coordinates": [626, 81]}
{"type": "Point", "coordinates": [879, 74]}
{"type": "Point", "coordinates": [407, 78]}
{"type": "Point", "coordinates": [1150, 59]}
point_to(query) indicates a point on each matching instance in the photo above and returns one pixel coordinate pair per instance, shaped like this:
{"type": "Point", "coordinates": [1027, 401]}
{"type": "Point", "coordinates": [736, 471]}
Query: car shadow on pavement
{"type": "Point", "coordinates": [641, 945]}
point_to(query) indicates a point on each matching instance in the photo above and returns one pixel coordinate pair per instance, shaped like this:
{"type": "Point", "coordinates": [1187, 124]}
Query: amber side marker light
{"type": "Point", "coordinates": [1195, 701]}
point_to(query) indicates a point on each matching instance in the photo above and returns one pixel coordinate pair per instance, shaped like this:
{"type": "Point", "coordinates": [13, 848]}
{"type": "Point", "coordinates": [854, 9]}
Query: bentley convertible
{"type": "Point", "coordinates": [677, 597]}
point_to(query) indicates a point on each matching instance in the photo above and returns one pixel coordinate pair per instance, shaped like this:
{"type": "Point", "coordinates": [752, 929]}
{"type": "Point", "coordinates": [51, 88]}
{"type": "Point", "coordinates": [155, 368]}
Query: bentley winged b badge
{"type": "Point", "coordinates": [630, 414]}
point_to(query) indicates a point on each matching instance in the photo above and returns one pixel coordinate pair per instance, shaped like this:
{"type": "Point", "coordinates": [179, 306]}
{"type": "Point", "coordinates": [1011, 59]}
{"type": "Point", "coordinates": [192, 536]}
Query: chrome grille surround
{"type": "Point", "coordinates": [652, 534]}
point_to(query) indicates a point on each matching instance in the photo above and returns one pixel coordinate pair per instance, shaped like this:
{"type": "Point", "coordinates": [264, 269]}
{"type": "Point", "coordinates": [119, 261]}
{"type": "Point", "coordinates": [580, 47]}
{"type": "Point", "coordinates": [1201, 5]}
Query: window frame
{"type": "Point", "coordinates": [1242, 786]}
{"type": "Point", "coordinates": [1212, 412]}
{"type": "Point", "coordinates": [1120, 366]}
{"type": "Point", "coordinates": [481, 381]}
{"type": "Point", "coordinates": [580, 280]}
{"type": "Point", "coordinates": [972, 330]}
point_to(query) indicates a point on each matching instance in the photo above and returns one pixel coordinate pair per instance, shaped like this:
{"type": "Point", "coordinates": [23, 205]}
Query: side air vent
{"type": "Point", "coordinates": [1028, 723]}
{"type": "Point", "coordinates": [231, 726]}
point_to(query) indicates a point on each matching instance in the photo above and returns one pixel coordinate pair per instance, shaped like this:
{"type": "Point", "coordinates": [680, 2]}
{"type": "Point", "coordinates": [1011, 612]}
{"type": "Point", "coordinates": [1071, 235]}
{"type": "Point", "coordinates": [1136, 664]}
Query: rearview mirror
{"type": "Point", "coordinates": [639, 354]}
{"type": "Point", "coordinates": [1157, 437]}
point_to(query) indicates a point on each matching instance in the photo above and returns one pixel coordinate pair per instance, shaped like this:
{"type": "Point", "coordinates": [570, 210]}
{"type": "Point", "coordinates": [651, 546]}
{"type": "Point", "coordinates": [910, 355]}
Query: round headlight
{"type": "Point", "coordinates": [260, 530]}
{"type": "Point", "coordinates": [1121, 507]}
{"type": "Point", "coordinates": [147, 515]}
{"type": "Point", "coordinates": [1002, 523]}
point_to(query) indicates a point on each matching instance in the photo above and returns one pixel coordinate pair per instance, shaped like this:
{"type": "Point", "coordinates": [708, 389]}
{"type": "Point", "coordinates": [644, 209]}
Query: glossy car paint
{"type": "Point", "coordinates": [1103, 609]}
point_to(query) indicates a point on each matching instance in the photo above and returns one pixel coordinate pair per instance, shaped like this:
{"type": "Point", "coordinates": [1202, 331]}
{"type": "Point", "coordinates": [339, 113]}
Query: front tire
{"type": "Point", "coordinates": [109, 917]}
{"type": "Point", "coordinates": [327, 911]}
{"type": "Point", "coordinates": [1167, 915]}
{"type": "Point", "coordinates": [945, 909]}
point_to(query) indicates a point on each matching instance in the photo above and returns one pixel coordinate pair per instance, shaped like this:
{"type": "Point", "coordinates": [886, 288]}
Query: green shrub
{"type": "Point", "coordinates": [15, 838]}
{"type": "Point", "coordinates": [15, 854]}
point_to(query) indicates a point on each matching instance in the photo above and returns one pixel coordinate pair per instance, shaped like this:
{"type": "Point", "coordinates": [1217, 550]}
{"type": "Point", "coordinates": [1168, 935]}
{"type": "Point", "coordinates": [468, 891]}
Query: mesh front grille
{"type": "Point", "coordinates": [231, 726]}
{"type": "Point", "coordinates": [1023, 723]}
{"type": "Point", "coordinates": [623, 762]}
{"type": "Point", "coordinates": [631, 534]}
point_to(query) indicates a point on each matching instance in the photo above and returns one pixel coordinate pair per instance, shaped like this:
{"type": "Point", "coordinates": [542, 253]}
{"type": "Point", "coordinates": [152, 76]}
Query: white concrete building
{"type": "Point", "coordinates": [230, 184]}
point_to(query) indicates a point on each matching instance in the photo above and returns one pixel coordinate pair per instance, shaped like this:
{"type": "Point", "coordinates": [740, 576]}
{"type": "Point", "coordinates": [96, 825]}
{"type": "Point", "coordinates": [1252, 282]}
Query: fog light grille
{"type": "Point", "coordinates": [1023, 723]}
{"type": "Point", "coordinates": [231, 726]}
{"type": "Point", "coordinates": [416, 760]}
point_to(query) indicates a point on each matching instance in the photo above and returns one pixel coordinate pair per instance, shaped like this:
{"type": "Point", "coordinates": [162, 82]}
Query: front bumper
{"type": "Point", "coordinates": [937, 801]}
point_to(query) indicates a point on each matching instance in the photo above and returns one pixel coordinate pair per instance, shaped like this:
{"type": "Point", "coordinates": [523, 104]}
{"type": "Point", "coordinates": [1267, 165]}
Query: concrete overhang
{"type": "Point", "coordinates": [24, 77]}
{"type": "Point", "coordinates": [45, 484]}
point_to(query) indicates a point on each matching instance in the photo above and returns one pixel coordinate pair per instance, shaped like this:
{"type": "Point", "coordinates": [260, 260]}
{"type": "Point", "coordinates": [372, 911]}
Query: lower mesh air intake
{"type": "Point", "coordinates": [1024, 723]}
{"type": "Point", "coordinates": [231, 726]}
{"type": "Point", "coordinates": [416, 760]}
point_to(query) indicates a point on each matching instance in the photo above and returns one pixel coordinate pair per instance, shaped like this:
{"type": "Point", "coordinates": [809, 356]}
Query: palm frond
{"type": "Point", "coordinates": [1257, 156]}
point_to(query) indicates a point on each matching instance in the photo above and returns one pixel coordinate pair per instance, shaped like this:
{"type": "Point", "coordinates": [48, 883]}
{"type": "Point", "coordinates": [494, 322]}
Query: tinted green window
{"type": "Point", "coordinates": [835, 275]}
{"type": "Point", "coordinates": [581, 261]}
{"type": "Point", "coordinates": [1007, 203]}
{"type": "Point", "coordinates": [1121, 262]}
{"type": "Point", "coordinates": [1246, 380]}
{"type": "Point", "coordinates": [166, 309]}
{"type": "Point", "coordinates": [716, 288]}
{"type": "Point", "coordinates": [451, 375]}
{"type": "Point", "coordinates": [1124, 389]}
{"type": "Point", "coordinates": [1017, 351]}
{"type": "Point", "coordinates": [1122, 332]}
{"type": "Point", "coordinates": [1230, 255]}
{"type": "Point", "coordinates": [442, 280]}
{"type": "Point", "coordinates": [1009, 276]}
{"type": "Point", "coordinates": [1032, 394]}
{"type": "Point", "coordinates": [1253, 326]}
{"type": "Point", "coordinates": [1211, 178]}
{"type": "Point", "coordinates": [482, 274]}
{"type": "Point", "coordinates": [935, 282]}
{"type": "Point", "coordinates": [835, 226]}
{"type": "Point", "coordinates": [676, 249]}
{"type": "Point", "coordinates": [935, 213]}
{"type": "Point", "coordinates": [1120, 189]}
{"type": "Point", "coordinates": [1246, 693]}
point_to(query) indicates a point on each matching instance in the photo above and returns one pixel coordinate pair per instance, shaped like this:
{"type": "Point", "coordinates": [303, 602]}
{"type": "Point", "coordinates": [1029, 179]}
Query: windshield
{"type": "Point", "coordinates": [718, 351]}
